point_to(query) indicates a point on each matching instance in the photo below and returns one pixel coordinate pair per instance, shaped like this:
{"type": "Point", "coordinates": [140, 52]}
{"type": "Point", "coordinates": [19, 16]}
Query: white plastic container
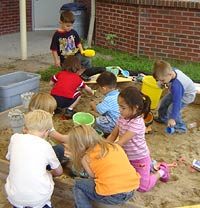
{"type": "Point", "coordinates": [16, 118]}
{"type": "Point", "coordinates": [26, 97]}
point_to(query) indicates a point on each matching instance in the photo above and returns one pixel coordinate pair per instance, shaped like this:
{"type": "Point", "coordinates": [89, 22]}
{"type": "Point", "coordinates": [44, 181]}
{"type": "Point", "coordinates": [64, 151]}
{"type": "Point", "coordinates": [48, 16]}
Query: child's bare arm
{"type": "Point", "coordinates": [51, 83]}
{"type": "Point", "coordinates": [125, 138]}
{"type": "Point", "coordinates": [113, 135]}
{"type": "Point", "coordinates": [85, 163]}
{"type": "Point", "coordinates": [59, 137]}
{"type": "Point", "coordinates": [58, 171]}
{"type": "Point", "coordinates": [80, 47]}
{"type": "Point", "coordinates": [89, 90]}
{"type": "Point", "coordinates": [56, 58]}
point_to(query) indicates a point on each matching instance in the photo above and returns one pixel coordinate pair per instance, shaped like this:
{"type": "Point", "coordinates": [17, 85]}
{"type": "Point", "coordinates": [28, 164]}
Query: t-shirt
{"type": "Point", "coordinates": [113, 173]}
{"type": "Point", "coordinates": [67, 84]}
{"type": "Point", "coordinates": [109, 106]}
{"type": "Point", "coordinates": [28, 182]}
{"type": "Point", "coordinates": [136, 148]}
{"type": "Point", "coordinates": [65, 43]}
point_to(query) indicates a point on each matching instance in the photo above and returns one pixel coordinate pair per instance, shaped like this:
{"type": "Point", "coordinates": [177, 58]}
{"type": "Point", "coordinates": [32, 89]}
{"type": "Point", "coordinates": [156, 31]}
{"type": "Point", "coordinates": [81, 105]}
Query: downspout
{"type": "Point", "coordinates": [138, 43]}
{"type": "Point", "coordinates": [23, 32]}
{"type": "Point", "coordinates": [92, 21]}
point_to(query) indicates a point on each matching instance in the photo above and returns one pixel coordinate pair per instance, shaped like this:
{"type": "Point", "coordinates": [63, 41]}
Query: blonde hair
{"type": "Point", "coordinates": [43, 101]}
{"type": "Point", "coordinates": [82, 139]}
{"type": "Point", "coordinates": [38, 120]}
{"type": "Point", "coordinates": [161, 69]}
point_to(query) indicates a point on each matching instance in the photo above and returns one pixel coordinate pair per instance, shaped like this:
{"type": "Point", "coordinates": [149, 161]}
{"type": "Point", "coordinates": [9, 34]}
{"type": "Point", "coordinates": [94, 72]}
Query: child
{"type": "Point", "coordinates": [129, 132]}
{"type": "Point", "coordinates": [46, 102]}
{"type": "Point", "coordinates": [66, 84]}
{"type": "Point", "coordinates": [108, 108]}
{"type": "Point", "coordinates": [182, 92]}
{"type": "Point", "coordinates": [66, 42]}
{"type": "Point", "coordinates": [109, 183]}
{"type": "Point", "coordinates": [29, 184]}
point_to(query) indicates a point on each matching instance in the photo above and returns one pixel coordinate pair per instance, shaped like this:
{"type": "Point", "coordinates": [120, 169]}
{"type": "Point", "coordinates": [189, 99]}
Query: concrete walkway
{"type": "Point", "coordinates": [38, 43]}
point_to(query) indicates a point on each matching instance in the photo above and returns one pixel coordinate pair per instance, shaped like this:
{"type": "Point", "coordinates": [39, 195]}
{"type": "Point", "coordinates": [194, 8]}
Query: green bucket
{"type": "Point", "coordinates": [83, 118]}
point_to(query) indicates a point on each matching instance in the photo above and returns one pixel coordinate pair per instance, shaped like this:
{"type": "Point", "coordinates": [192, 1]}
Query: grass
{"type": "Point", "coordinates": [105, 57]}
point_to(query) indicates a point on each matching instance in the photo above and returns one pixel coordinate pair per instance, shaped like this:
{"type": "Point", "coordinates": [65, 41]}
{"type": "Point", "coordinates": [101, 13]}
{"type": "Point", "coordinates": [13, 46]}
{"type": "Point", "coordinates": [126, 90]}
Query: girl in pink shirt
{"type": "Point", "coordinates": [129, 132]}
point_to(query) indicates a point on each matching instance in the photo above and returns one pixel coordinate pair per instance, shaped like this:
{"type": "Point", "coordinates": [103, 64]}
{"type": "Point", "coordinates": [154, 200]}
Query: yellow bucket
{"type": "Point", "coordinates": [150, 88]}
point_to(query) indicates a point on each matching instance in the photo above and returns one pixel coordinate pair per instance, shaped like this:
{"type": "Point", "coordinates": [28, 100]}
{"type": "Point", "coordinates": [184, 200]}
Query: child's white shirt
{"type": "Point", "coordinates": [28, 182]}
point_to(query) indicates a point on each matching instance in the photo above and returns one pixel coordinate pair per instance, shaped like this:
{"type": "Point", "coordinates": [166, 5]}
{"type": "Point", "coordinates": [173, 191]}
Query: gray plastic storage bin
{"type": "Point", "coordinates": [13, 85]}
{"type": "Point", "coordinates": [79, 11]}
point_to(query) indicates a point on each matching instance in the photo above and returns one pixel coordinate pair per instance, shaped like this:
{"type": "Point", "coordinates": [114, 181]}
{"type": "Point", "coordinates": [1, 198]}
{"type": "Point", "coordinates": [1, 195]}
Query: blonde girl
{"type": "Point", "coordinates": [109, 183]}
{"type": "Point", "coordinates": [46, 102]}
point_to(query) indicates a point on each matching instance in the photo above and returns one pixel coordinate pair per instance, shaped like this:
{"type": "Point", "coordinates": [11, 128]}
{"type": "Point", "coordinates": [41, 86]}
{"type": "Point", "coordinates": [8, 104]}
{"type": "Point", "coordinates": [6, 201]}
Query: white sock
{"type": "Point", "coordinates": [70, 108]}
{"type": "Point", "coordinates": [161, 172]}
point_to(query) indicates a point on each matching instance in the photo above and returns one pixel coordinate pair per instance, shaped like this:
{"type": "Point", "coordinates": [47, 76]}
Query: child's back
{"type": "Point", "coordinates": [112, 178]}
{"type": "Point", "coordinates": [29, 183]}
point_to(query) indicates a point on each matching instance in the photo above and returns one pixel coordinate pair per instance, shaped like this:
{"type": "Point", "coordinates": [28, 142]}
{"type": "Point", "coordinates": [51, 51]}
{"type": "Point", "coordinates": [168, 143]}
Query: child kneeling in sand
{"type": "Point", "coordinates": [129, 133]}
{"type": "Point", "coordinates": [109, 183]}
{"type": "Point", "coordinates": [29, 183]}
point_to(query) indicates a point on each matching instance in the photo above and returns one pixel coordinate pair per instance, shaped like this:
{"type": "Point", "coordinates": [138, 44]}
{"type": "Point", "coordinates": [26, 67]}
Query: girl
{"type": "Point", "coordinates": [46, 102]}
{"type": "Point", "coordinates": [66, 85]}
{"type": "Point", "coordinates": [109, 182]}
{"type": "Point", "coordinates": [130, 131]}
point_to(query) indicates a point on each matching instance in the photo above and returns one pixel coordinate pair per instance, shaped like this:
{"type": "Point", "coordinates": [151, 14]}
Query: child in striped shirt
{"type": "Point", "coordinates": [108, 109]}
{"type": "Point", "coordinates": [129, 132]}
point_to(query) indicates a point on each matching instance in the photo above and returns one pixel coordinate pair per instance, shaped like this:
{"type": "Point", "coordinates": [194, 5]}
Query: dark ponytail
{"type": "Point", "coordinates": [147, 104]}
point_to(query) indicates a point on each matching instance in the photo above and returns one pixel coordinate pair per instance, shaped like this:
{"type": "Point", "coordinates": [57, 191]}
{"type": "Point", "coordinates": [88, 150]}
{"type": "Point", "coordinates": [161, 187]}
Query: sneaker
{"type": "Point", "coordinates": [69, 113]}
{"type": "Point", "coordinates": [180, 131]}
{"type": "Point", "coordinates": [166, 177]}
{"type": "Point", "coordinates": [152, 166]}
{"type": "Point", "coordinates": [85, 77]}
{"type": "Point", "coordinates": [64, 161]}
{"type": "Point", "coordinates": [157, 119]}
{"type": "Point", "coordinates": [58, 111]}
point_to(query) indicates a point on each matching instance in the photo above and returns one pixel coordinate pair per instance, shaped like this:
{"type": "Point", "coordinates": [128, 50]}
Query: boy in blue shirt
{"type": "Point", "coordinates": [108, 108]}
{"type": "Point", "coordinates": [181, 93]}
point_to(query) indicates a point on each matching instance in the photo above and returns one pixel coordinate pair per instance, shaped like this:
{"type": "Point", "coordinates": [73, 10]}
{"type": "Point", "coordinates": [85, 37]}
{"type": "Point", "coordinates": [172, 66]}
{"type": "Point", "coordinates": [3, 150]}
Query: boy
{"type": "Point", "coordinates": [29, 184]}
{"type": "Point", "coordinates": [181, 93]}
{"type": "Point", "coordinates": [108, 108]}
{"type": "Point", "coordinates": [66, 42]}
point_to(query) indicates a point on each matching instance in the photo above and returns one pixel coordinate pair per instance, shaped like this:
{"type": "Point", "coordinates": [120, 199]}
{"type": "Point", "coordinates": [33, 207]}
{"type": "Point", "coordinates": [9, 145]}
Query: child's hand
{"type": "Point", "coordinates": [57, 63]}
{"type": "Point", "coordinates": [171, 122]}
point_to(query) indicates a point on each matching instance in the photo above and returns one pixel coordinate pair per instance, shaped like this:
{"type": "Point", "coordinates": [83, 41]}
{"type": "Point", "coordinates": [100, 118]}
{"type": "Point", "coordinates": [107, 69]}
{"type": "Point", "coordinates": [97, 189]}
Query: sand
{"type": "Point", "coordinates": [183, 187]}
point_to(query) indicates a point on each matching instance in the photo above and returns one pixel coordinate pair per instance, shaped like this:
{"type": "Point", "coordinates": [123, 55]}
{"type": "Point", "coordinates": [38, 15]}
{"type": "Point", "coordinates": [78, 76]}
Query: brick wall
{"type": "Point", "coordinates": [159, 28]}
{"type": "Point", "coordinates": [9, 16]}
{"type": "Point", "coordinates": [165, 29]}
